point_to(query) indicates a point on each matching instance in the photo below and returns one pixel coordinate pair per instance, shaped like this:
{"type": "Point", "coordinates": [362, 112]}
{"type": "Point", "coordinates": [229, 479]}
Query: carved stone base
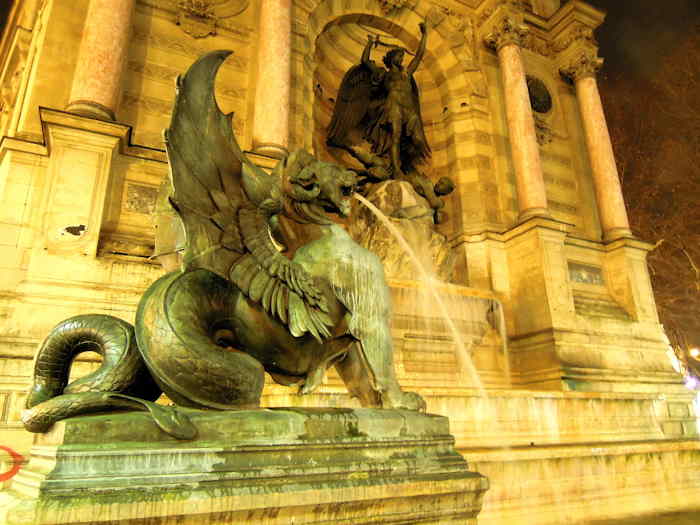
{"type": "Point", "coordinates": [281, 466]}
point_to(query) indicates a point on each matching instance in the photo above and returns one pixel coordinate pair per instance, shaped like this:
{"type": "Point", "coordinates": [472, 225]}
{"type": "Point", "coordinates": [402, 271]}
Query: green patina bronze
{"type": "Point", "coordinates": [268, 282]}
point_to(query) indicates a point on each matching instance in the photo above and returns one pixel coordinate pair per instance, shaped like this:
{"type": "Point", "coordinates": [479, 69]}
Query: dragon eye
{"type": "Point", "coordinates": [346, 190]}
{"type": "Point", "coordinates": [309, 186]}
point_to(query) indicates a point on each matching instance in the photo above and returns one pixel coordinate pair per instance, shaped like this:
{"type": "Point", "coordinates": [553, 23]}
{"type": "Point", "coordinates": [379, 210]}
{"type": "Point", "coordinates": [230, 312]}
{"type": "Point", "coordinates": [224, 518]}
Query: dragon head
{"type": "Point", "coordinates": [314, 188]}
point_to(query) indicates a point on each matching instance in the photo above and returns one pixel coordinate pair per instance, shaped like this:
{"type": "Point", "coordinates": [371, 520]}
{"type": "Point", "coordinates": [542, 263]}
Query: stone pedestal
{"type": "Point", "coordinates": [276, 466]}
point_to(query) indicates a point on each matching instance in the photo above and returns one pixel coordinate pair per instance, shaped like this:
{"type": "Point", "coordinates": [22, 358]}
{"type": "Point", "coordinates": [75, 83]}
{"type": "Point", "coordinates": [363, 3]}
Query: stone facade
{"type": "Point", "coordinates": [536, 224]}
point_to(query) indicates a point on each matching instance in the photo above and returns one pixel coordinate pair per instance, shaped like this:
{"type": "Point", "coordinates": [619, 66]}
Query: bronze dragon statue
{"type": "Point", "coordinates": [268, 282]}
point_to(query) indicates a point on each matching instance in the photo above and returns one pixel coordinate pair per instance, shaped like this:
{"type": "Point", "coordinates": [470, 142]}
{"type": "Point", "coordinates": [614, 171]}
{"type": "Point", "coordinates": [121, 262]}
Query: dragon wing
{"type": "Point", "coordinates": [352, 103]}
{"type": "Point", "coordinates": [225, 203]}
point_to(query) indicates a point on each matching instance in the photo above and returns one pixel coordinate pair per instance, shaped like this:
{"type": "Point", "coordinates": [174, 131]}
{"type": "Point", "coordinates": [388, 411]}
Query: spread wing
{"type": "Point", "coordinates": [420, 154]}
{"type": "Point", "coordinates": [225, 203]}
{"type": "Point", "coordinates": [352, 104]}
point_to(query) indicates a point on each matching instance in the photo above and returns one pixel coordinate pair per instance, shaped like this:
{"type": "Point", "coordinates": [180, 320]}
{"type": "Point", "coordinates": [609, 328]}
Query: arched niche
{"type": "Point", "coordinates": [328, 39]}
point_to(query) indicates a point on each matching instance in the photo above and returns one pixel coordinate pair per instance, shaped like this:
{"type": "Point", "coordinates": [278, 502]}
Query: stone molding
{"type": "Point", "coordinates": [578, 33]}
{"type": "Point", "coordinates": [574, 44]}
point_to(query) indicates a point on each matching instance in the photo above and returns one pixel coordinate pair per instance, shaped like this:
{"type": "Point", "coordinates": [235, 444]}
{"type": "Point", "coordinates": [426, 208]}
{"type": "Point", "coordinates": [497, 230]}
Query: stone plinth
{"type": "Point", "coordinates": [259, 466]}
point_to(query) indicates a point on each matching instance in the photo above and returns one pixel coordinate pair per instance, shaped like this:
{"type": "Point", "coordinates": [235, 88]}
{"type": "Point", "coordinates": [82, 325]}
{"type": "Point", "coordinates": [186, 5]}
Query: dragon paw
{"type": "Point", "coordinates": [403, 400]}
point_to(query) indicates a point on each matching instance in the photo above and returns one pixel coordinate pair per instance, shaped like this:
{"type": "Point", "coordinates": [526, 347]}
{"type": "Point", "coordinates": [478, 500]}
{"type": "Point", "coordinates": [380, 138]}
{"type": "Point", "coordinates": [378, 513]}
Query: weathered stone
{"type": "Point", "coordinates": [289, 465]}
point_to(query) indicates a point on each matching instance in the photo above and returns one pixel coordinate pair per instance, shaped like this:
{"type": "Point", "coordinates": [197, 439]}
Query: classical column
{"type": "Point", "coordinates": [271, 117]}
{"type": "Point", "coordinates": [611, 204]}
{"type": "Point", "coordinates": [97, 81]}
{"type": "Point", "coordinates": [505, 38]}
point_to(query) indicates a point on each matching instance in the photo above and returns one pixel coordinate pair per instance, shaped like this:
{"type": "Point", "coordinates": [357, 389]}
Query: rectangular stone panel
{"type": "Point", "coordinates": [586, 273]}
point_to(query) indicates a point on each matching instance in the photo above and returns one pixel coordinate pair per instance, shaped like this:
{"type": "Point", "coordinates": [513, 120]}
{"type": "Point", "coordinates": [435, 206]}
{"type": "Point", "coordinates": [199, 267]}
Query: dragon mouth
{"type": "Point", "coordinates": [341, 208]}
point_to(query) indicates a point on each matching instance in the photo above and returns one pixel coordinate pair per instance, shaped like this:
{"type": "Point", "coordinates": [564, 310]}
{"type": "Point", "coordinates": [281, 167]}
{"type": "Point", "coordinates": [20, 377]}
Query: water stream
{"type": "Point", "coordinates": [463, 354]}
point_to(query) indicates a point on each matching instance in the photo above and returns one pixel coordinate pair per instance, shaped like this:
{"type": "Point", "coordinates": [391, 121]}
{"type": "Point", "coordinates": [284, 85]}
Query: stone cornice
{"type": "Point", "coordinates": [572, 35]}
{"type": "Point", "coordinates": [573, 12]}
{"type": "Point", "coordinates": [54, 117]}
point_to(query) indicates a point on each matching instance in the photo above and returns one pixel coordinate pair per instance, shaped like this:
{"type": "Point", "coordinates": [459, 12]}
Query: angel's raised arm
{"type": "Point", "coordinates": [371, 42]}
{"type": "Point", "coordinates": [421, 50]}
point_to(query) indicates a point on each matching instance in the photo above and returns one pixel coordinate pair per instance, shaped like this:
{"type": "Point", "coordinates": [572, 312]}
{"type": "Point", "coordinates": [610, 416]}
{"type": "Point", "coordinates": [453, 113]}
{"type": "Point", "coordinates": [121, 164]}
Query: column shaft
{"type": "Point", "coordinates": [532, 196]}
{"type": "Point", "coordinates": [96, 86]}
{"type": "Point", "coordinates": [611, 204]}
{"type": "Point", "coordinates": [271, 118]}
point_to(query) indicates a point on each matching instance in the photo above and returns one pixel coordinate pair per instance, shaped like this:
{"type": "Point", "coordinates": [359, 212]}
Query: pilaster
{"type": "Point", "coordinates": [78, 173]}
{"type": "Point", "coordinates": [627, 271]}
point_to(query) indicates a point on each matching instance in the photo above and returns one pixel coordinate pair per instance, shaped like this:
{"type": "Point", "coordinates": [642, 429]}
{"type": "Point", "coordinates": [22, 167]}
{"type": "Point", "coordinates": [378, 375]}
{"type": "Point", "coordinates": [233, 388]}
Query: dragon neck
{"type": "Point", "coordinates": [305, 212]}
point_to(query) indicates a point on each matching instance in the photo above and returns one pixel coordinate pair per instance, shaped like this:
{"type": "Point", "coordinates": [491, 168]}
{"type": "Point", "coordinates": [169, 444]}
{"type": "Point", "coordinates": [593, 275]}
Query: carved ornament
{"type": "Point", "coordinates": [505, 32]}
{"type": "Point", "coordinates": [537, 45]}
{"type": "Point", "coordinates": [579, 33]}
{"type": "Point", "coordinates": [457, 29]}
{"type": "Point", "coordinates": [586, 64]}
{"type": "Point", "coordinates": [199, 18]}
{"type": "Point", "coordinates": [392, 6]}
{"type": "Point", "coordinates": [543, 131]}
{"type": "Point", "coordinates": [513, 6]}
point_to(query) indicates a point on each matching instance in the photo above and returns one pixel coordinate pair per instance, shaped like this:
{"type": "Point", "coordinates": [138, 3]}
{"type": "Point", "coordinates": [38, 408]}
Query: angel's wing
{"type": "Point", "coordinates": [225, 202]}
{"type": "Point", "coordinates": [418, 154]}
{"type": "Point", "coordinates": [352, 103]}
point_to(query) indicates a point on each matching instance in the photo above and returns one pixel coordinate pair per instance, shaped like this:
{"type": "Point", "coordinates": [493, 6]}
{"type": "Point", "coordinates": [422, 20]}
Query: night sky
{"type": "Point", "coordinates": [638, 35]}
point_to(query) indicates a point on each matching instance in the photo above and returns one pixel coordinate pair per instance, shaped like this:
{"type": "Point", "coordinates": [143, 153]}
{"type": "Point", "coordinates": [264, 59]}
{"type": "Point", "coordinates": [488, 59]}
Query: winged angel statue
{"type": "Point", "coordinates": [206, 333]}
{"type": "Point", "coordinates": [382, 106]}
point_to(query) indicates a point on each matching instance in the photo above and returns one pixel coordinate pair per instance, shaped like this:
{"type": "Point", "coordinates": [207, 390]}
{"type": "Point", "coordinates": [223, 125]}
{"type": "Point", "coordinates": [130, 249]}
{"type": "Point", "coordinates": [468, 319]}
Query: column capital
{"type": "Point", "coordinates": [585, 63]}
{"type": "Point", "coordinates": [502, 23]}
{"type": "Point", "coordinates": [507, 31]}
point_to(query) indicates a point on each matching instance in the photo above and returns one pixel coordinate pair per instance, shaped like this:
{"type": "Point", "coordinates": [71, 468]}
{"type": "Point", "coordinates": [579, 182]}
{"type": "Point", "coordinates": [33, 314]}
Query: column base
{"type": "Point", "coordinates": [87, 108]}
{"type": "Point", "coordinates": [617, 233]}
{"type": "Point", "coordinates": [533, 212]}
{"type": "Point", "coordinates": [270, 149]}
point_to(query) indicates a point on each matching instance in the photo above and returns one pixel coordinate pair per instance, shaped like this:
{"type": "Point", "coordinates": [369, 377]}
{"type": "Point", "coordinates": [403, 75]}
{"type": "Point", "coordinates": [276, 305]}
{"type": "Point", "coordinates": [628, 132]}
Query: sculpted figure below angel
{"type": "Point", "coordinates": [382, 106]}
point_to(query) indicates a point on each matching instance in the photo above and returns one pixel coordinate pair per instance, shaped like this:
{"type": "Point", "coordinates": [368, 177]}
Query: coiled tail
{"type": "Point", "coordinates": [122, 381]}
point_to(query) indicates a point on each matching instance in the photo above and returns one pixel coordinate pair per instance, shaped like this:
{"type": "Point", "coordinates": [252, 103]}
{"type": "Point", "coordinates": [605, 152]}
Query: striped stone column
{"type": "Point", "coordinates": [506, 38]}
{"type": "Point", "coordinates": [96, 89]}
{"type": "Point", "coordinates": [272, 93]}
{"type": "Point", "coordinates": [611, 203]}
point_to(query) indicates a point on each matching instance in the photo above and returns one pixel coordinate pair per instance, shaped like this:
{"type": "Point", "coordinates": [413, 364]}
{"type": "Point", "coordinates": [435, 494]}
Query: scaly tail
{"type": "Point", "coordinates": [122, 381]}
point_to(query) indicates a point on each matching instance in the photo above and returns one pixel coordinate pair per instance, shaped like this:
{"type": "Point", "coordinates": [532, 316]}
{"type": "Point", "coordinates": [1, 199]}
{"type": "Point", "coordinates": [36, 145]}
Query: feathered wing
{"type": "Point", "coordinates": [225, 202]}
{"type": "Point", "coordinates": [420, 154]}
{"type": "Point", "coordinates": [352, 104]}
